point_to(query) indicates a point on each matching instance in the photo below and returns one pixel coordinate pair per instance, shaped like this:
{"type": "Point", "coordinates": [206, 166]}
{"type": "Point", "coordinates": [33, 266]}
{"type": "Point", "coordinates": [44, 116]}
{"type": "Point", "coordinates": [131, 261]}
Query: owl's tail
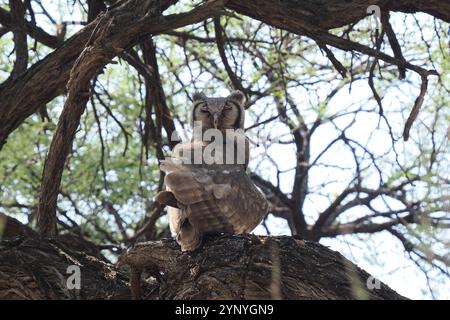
{"type": "Point", "coordinates": [189, 237]}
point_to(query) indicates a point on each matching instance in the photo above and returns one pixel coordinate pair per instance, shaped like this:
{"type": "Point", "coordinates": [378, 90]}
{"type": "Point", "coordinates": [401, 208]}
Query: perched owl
{"type": "Point", "coordinates": [207, 189]}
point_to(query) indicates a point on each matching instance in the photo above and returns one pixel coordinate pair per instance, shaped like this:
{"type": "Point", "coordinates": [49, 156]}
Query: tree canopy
{"type": "Point", "coordinates": [347, 113]}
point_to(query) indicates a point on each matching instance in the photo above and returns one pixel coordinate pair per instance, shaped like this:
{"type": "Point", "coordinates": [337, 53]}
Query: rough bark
{"type": "Point", "coordinates": [91, 60]}
{"type": "Point", "coordinates": [98, 51]}
{"type": "Point", "coordinates": [45, 80]}
{"type": "Point", "coordinates": [225, 267]}
{"type": "Point", "coordinates": [37, 269]}
{"type": "Point", "coordinates": [20, 37]}
{"type": "Point", "coordinates": [298, 15]}
{"type": "Point", "coordinates": [32, 30]}
{"type": "Point", "coordinates": [251, 267]}
{"type": "Point", "coordinates": [33, 268]}
{"type": "Point", "coordinates": [94, 9]}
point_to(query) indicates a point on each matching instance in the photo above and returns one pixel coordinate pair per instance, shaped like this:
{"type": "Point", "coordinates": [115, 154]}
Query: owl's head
{"type": "Point", "coordinates": [219, 113]}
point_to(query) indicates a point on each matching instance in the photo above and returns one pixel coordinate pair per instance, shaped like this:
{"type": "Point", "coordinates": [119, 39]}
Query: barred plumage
{"type": "Point", "coordinates": [212, 197]}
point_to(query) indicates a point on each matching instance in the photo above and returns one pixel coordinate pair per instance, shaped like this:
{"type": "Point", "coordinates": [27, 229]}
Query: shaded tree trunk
{"type": "Point", "coordinates": [225, 267]}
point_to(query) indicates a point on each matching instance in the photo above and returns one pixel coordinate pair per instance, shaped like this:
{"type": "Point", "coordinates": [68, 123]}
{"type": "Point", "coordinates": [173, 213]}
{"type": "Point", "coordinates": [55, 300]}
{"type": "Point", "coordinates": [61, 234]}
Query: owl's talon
{"type": "Point", "coordinates": [189, 237]}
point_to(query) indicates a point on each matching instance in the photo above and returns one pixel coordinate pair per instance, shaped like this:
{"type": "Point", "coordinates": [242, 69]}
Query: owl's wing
{"type": "Point", "coordinates": [243, 204]}
{"type": "Point", "coordinates": [195, 192]}
{"type": "Point", "coordinates": [217, 198]}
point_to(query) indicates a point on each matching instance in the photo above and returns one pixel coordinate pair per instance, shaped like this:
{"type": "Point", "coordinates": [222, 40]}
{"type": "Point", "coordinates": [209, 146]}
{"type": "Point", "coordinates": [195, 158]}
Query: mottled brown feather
{"type": "Point", "coordinates": [215, 197]}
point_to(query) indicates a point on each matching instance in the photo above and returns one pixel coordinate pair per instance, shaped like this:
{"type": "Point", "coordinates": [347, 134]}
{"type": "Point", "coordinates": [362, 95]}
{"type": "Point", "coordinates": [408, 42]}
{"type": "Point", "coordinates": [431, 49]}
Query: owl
{"type": "Point", "coordinates": [207, 188]}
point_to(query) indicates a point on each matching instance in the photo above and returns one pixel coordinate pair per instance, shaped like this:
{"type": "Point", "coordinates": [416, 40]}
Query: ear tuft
{"type": "Point", "coordinates": [198, 96]}
{"type": "Point", "coordinates": [237, 96]}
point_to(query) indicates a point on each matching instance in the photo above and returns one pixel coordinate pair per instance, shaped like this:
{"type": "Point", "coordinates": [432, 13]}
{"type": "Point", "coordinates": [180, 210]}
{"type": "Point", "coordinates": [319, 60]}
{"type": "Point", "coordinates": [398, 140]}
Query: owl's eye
{"type": "Point", "coordinates": [227, 107]}
{"type": "Point", "coordinates": [204, 109]}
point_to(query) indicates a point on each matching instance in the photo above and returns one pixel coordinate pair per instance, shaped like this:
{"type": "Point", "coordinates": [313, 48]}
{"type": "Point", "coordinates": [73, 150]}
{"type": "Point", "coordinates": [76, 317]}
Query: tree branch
{"type": "Point", "coordinates": [46, 78]}
{"type": "Point", "coordinates": [32, 30]}
{"type": "Point", "coordinates": [20, 37]}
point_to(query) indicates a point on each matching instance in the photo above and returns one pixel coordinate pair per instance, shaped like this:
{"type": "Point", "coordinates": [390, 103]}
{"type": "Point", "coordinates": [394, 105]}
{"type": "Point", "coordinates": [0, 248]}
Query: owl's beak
{"type": "Point", "coordinates": [216, 120]}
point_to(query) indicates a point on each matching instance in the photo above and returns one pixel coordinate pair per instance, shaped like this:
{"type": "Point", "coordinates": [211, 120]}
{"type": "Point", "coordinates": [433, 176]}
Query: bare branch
{"type": "Point", "coordinates": [415, 110]}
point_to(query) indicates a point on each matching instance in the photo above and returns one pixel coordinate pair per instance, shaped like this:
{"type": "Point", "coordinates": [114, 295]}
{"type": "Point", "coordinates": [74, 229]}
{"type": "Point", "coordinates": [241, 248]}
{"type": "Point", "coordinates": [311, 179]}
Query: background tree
{"type": "Point", "coordinates": [91, 98]}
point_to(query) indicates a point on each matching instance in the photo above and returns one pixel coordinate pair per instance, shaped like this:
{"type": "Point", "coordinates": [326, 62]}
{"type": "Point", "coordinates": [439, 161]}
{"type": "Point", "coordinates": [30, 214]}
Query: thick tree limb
{"type": "Point", "coordinates": [86, 67]}
{"type": "Point", "coordinates": [94, 9]}
{"type": "Point", "coordinates": [297, 14]}
{"type": "Point", "coordinates": [226, 267]}
{"type": "Point", "coordinates": [348, 45]}
{"type": "Point", "coordinates": [36, 269]}
{"type": "Point", "coordinates": [250, 267]}
{"type": "Point", "coordinates": [313, 20]}
{"type": "Point", "coordinates": [98, 52]}
{"type": "Point", "coordinates": [32, 30]}
{"type": "Point", "coordinates": [163, 115]}
{"type": "Point", "coordinates": [46, 79]}
{"type": "Point", "coordinates": [20, 37]}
